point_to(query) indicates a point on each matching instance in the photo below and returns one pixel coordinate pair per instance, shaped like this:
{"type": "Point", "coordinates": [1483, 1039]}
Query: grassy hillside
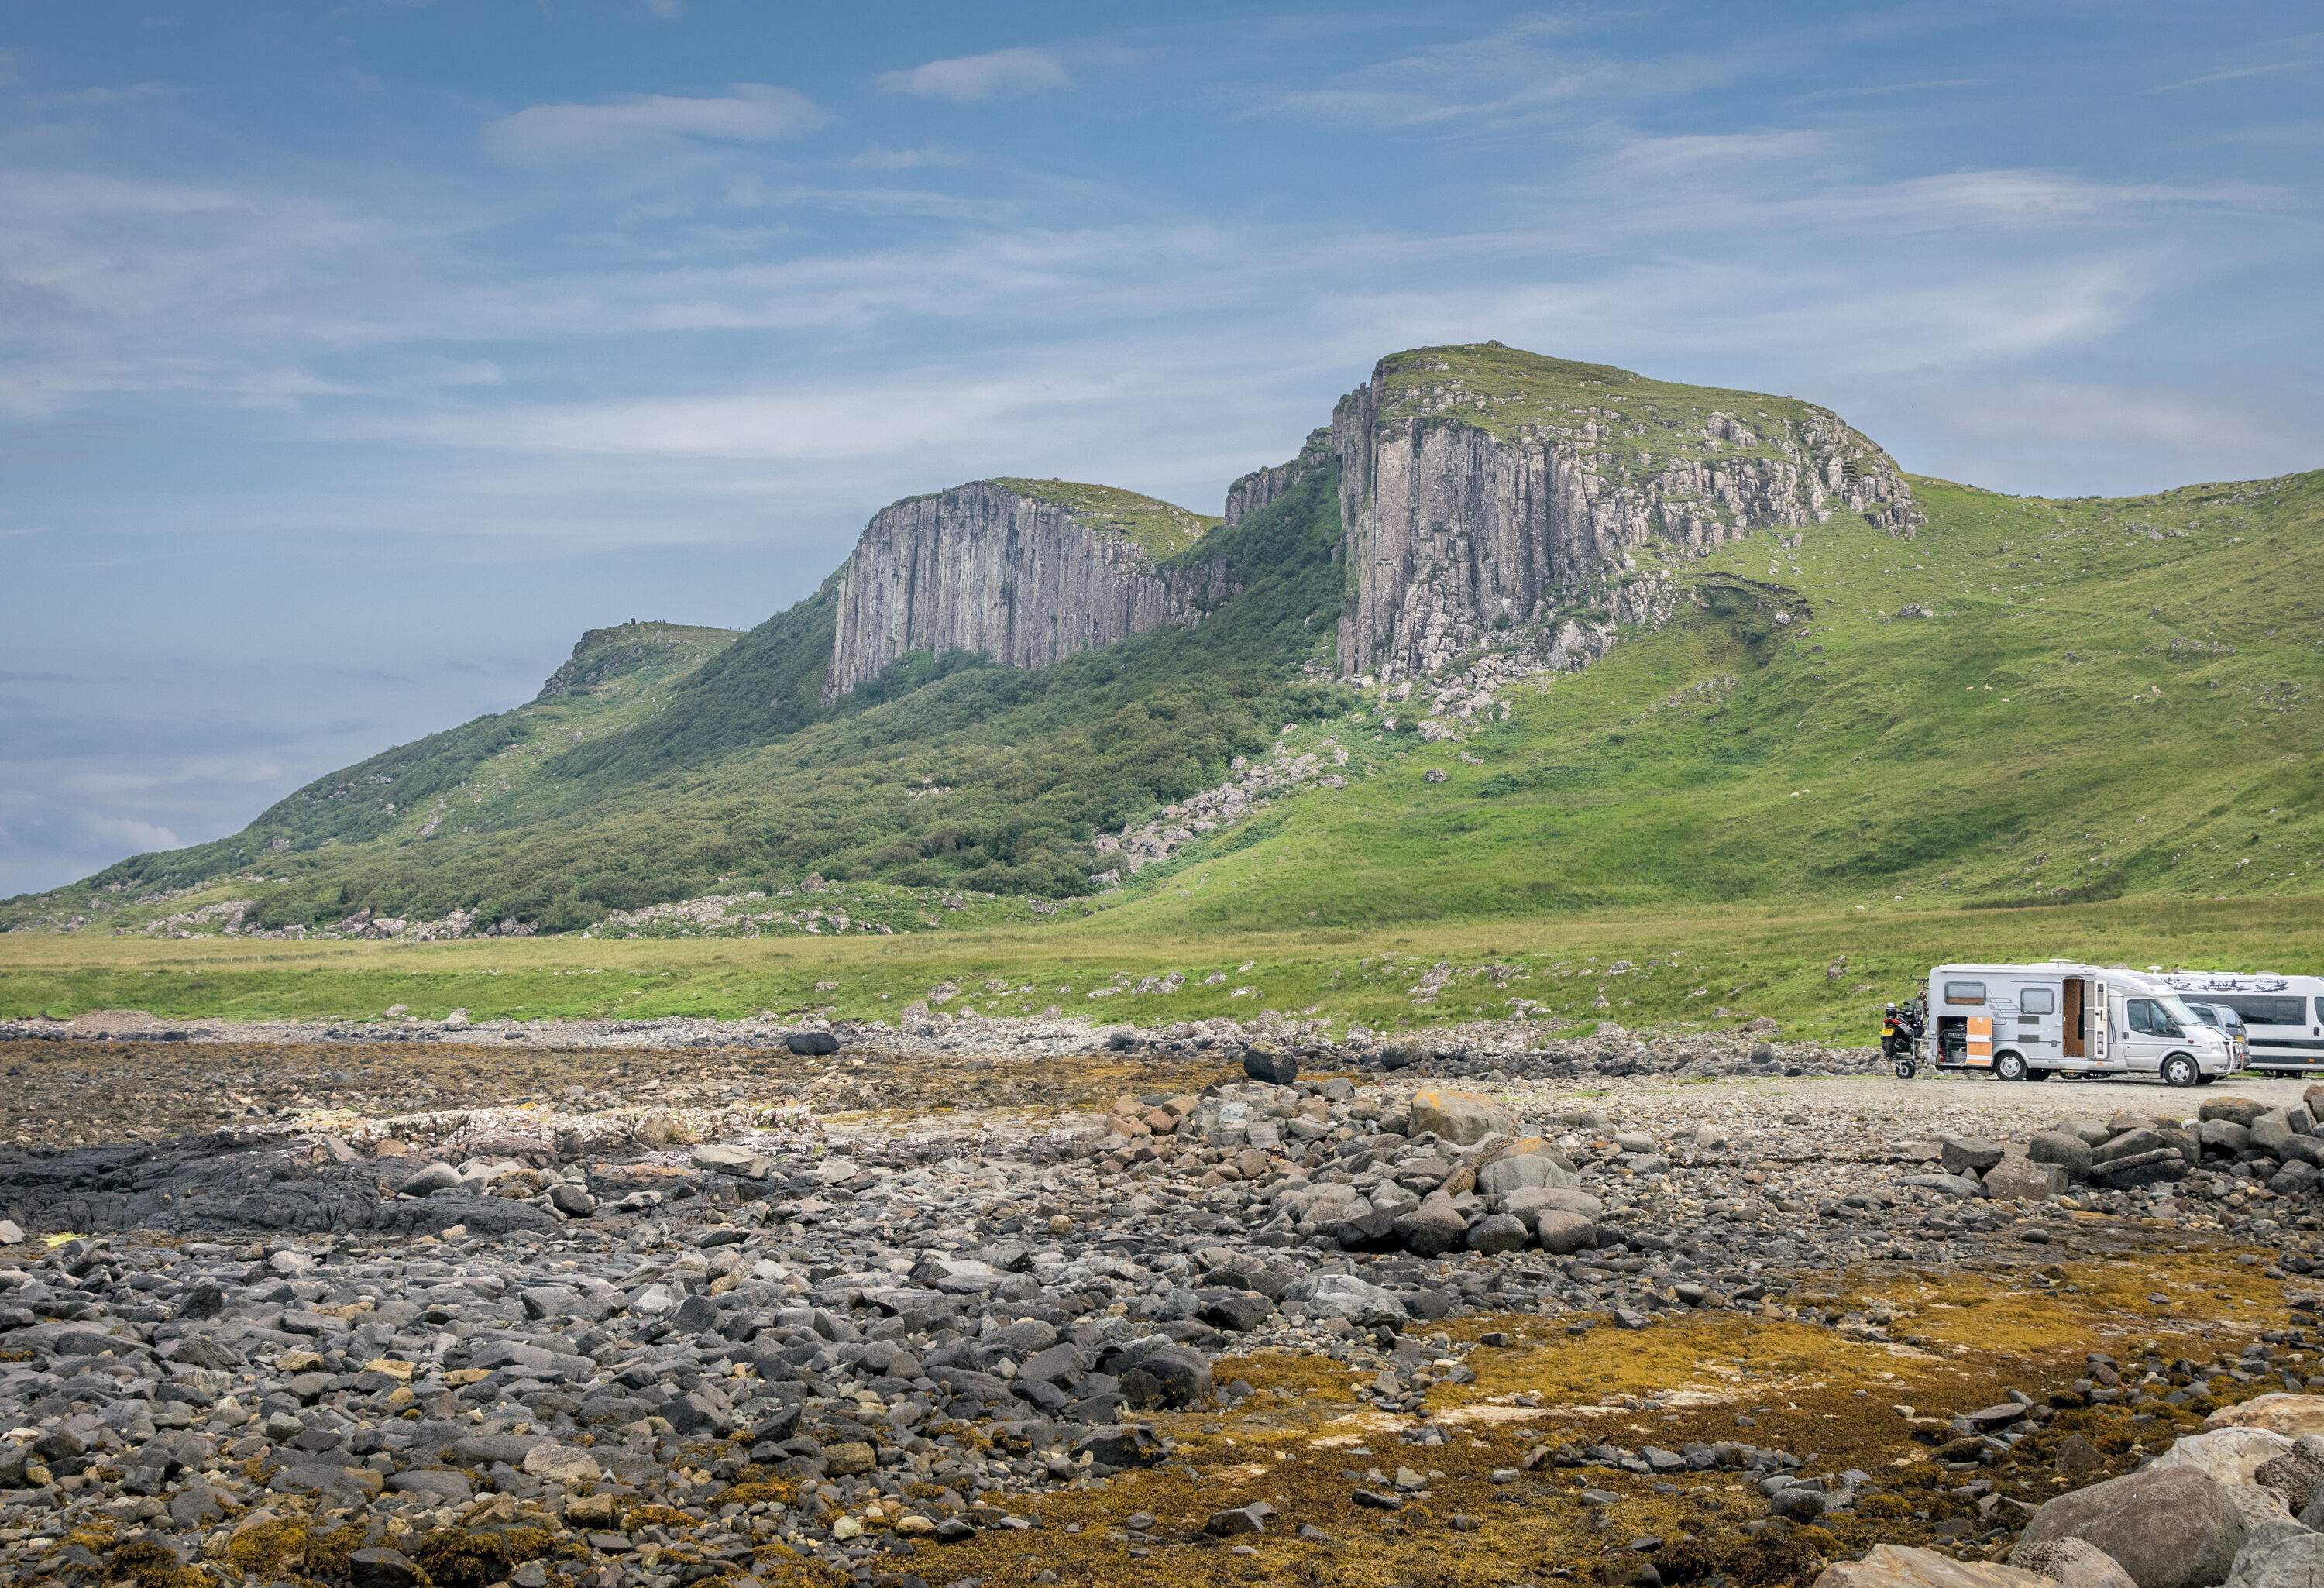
{"type": "Point", "coordinates": [1161, 529]}
{"type": "Point", "coordinates": [2114, 699]}
{"type": "Point", "coordinates": [944, 773]}
{"type": "Point", "coordinates": [2030, 726]}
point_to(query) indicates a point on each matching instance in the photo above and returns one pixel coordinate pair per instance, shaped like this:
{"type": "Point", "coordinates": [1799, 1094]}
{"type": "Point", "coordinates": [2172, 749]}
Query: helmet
{"type": "Point", "coordinates": [1890, 1010]}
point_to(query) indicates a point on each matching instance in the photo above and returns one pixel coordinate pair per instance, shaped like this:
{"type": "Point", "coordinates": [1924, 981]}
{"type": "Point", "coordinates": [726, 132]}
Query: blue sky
{"type": "Point", "coordinates": [357, 357]}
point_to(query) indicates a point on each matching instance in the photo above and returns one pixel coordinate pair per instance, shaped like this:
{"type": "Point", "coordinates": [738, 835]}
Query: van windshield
{"type": "Point", "coordinates": [2178, 1012]}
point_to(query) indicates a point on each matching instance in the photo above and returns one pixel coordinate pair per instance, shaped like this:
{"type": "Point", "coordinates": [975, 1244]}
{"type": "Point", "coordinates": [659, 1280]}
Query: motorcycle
{"type": "Point", "coordinates": [1900, 1044]}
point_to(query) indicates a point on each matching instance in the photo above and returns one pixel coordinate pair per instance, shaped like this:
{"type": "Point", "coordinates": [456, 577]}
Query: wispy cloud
{"type": "Point", "coordinates": [969, 80]}
{"type": "Point", "coordinates": [2231, 75]}
{"type": "Point", "coordinates": [882, 159]}
{"type": "Point", "coordinates": [747, 113]}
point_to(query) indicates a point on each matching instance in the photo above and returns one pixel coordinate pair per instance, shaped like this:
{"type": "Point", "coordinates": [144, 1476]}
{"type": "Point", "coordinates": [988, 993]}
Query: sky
{"type": "Point", "coordinates": [355, 358]}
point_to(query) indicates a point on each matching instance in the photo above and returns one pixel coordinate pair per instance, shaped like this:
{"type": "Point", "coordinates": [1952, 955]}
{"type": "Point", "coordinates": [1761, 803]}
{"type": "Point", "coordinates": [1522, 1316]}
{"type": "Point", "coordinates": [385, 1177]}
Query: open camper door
{"type": "Point", "coordinates": [2096, 1014]}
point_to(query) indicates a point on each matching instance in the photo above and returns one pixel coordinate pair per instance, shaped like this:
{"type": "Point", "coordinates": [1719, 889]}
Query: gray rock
{"type": "Point", "coordinates": [1344, 1296]}
{"type": "Point", "coordinates": [2167, 1530]}
{"type": "Point", "coordinates": [431, 1178]}
{"type": "Point", "coordinates": [1262, 1061]}
{"type": "Point", "coordinates": [2021, 1179]}
{"type": "Point", "coordinates": [2074, 1563]}
{"type": "Point", "coordinates": [1562, 1234]}
{"type": "Point", "coordinates": [2286, 1560]}
{"type": "Point", "coordinates": [1432, 1228]}
{"type": "Point", "coordinates": [1967, 1155]}
{"type": "Point", "coordinates": [1497, 1233]}
{"type": "Point", "coordinates": [2068, 1150]}
{"type": "Point", "coordinates": [1531, 1172]}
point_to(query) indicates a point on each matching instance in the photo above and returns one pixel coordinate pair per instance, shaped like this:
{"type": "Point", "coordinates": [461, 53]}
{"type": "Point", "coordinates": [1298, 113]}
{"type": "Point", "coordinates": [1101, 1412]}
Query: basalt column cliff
{"type": "Point", "coordinates": [1023, 572]}
{"type": "Point", "coordinates": [1481, 489]}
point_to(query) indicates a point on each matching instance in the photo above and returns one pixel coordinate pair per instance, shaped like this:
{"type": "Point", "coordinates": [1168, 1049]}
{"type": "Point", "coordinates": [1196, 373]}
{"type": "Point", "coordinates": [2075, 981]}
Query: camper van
{"type": "Point", "coordinates": [2284, 1016]}
{"type": "Point", "coordinates": [2020, 1022]}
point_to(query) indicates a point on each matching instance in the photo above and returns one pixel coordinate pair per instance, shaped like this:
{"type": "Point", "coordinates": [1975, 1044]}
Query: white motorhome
{"type": "Point", "coordinates": [2284, 1016]}
{"type": "Point", "coordinates": [2023, 1022]}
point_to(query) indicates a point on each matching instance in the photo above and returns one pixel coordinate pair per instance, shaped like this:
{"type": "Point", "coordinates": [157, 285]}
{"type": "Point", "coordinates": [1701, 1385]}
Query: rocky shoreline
{"type": "Point", "coordinates": [674, 1324]}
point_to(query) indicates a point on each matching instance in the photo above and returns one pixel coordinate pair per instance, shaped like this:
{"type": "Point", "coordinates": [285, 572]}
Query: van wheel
{"type": "Point", "coordinates": [2009, 1067]}
{"type": "Point", "coordinates": [2179, 1070]}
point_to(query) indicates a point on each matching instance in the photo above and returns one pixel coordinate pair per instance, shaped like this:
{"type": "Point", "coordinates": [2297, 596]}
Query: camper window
{"type": "Point", "coordinates": [1964, 991]}
{"type": "Point", "coordinates": [2266, 1012]}
{"type": "Point", "coordinates": [2038, 1001]}
{"type": "Point", "coordinates": [2146, 1017]}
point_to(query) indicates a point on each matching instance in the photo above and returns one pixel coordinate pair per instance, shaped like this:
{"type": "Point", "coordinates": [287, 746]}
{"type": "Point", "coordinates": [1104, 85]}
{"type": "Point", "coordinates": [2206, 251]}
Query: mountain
{"type": "Point", "coordinates": [1512, 635]}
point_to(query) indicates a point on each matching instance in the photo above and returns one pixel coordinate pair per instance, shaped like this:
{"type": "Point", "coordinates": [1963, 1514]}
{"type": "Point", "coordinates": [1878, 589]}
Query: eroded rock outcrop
{"type": "Point", "coordinates": [1262, 488]}
{"type": "Point", "coordinates": [1022, 579]}
{"type": "Point", "coordinates": [1485, 490]}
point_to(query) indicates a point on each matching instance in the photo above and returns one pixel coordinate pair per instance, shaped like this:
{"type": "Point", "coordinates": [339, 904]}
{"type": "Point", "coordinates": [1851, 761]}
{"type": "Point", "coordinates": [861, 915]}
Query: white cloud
{"type": "Point", "coordinates": [882, 158]}
{"type": "Point", "coordinates": [968, 80]}
{"type": "Point", "coordinates": [748, 112]}
{"type": "Point", "coordinates": [2074, 415]}
{"type": "Point", "coordinates": [122, 833]}
{"type": "Point", "coordinates": [2232, 74]}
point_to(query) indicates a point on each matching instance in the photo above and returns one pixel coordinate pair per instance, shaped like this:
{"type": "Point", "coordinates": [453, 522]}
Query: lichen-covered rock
{"type": "Point", "coordinates": [1897, 1565]}
{"type": "Point", "coordinates": [2224, 1455]}
{"type": "Point", "coordinates": [2291, 1415]}
{"type": "Point", "coordinates": [1462, 1118]}
{"type": "Point", "coordinates": [2169, 1528]}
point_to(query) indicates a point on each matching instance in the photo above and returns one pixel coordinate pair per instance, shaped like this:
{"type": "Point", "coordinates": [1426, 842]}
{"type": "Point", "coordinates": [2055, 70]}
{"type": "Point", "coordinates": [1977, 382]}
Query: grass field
{"type": "Point", "coordinates": [1663, 971]}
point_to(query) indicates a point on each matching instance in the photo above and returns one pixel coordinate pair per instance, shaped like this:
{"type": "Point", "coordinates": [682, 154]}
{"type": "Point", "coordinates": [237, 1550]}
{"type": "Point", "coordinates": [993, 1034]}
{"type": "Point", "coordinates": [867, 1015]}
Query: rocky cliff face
{"type": "Point", "coordinates": [1022, 579]}
{"type": "Point", "coordinates": [1485, 491]}
{"type": "Point", "coordinates": [1263, 486]}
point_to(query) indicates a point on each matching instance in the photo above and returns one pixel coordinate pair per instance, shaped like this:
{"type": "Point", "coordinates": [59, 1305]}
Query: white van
{"type": "Point", "coordinates": [2284, 1016]}
{"type": "Point", "coordinates": [2062, 1018]}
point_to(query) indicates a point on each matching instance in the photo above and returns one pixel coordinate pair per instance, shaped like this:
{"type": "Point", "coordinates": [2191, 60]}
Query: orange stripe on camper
{"type": "Point", "coordinates": [1980, 1041]}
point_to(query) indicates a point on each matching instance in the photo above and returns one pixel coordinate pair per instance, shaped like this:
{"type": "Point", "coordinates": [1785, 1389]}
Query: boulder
{"type": "Point", "coordinates": [1462, 1118]}
{"type": "Point", "coordinates": [1344, 1296]}
{"type": "Point", "coordinates": [2063, 1147]}
{"type": "Point", "coordinates": [2240, 1110]}
{"type": "Point", "coordinates": [1497, 1233]}
{"type": "Point", "coordinates": [1168, 1376]}
{"type": "Point", "coordinates": [2075, 1563]}
{"type": "Point", "coordinates": [2169, 1528]}
{"type": "Point", "coordinates": [2131, 1171]}
{"type": "Point", "coordinates": [1530, 1203]}
{"type": "Point", "coordinates": [1898, 1566]}
{"type": "Point", "coordinates": [2289, 1559]}
{"type": "Point", "coordinates": [1264, 1062]}
{"type": "Point", "coordinates": [1434, 1228]}
{"type": "Point", "coordinates": [2021, 1179]}
{"type": "Point", "coordinates": [1562, 1234]}
{"type": "Point", "coordinates": [429, 1179]}
{"type": "Point", "coordinates": [811, 1044]}
{"type": "Point", "coordinates": [719, 1158]}
{"type": "Point", "coordinates": [2224, 1455]}
{"type": "Point", "coordinates": [2291, 1415]}
{"type": "Point", "coordinates": [1531, 1172]}
{"type": "Point", "coordinates": [1967, 1155]}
